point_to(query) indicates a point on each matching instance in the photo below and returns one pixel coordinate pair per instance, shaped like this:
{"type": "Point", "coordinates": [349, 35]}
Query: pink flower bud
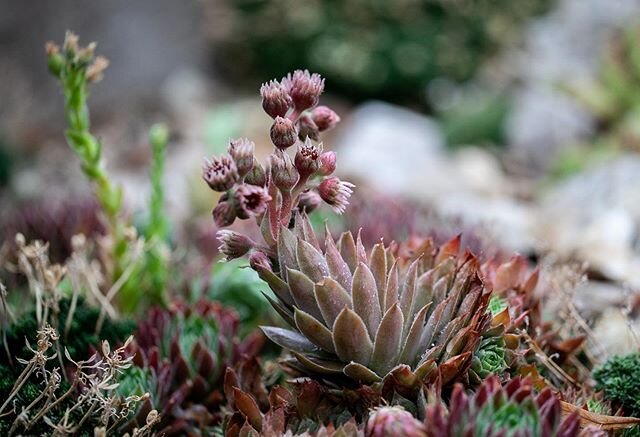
{"type": "Point", "coordinates": [325, 118]}
{"type": "Point", "coordinates": [327, 163]}
{"type": "Point", "coordinates": [275, 100]}
{"type": "Point", "coordinates": [224, 214]}
{"type": "Point", "coordinates": [250, 200]}
{"type": "Point", "coordinates": [220, 173]}
{"type": "Point", "coordinates": [257, 175]}
{"type": "Point", "coordinates": [304, 88]}
{"type": "Point", "coordinates": [309, 201]}
{"type": "Point", "coordinates": [307, 158]}
{"type": "Point", "coordinates": [283, 172]}
{"type": "Point", "coordinates": [242, 150]}
{"type": "Point", "coordinates": [307, 128]}
{"type": "Point", "coordinates": [283, 133]}
{"type": "Point", "coordinates": [259, 261]}
{"type": "Point", "coordinates": [336, 193]}
{"type": "Point", "coordinates": [233, 244]}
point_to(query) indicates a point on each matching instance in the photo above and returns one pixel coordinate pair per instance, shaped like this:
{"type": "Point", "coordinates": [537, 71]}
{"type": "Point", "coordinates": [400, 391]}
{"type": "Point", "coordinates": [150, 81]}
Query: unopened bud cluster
{"type": "Point", "coordinates": [297, 177]}
{"type": "Point", "coordinates": [74, 59]}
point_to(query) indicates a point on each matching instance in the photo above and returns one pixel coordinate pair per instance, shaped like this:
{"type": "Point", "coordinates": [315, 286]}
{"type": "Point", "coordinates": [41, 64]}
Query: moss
{"type": "Point", "coordinates": [619, 379]}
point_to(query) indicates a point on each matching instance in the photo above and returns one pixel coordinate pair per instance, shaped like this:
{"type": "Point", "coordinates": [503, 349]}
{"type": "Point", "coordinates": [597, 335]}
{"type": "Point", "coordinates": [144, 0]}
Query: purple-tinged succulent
{"type": "Point", "coordinates": [220, 173]}
{"type": "Point", "coordinates": [336, 193]}
{"type": "Point", "coordinates": [496, 410]}
{"type": "Point", "coordinates": [304, 88]}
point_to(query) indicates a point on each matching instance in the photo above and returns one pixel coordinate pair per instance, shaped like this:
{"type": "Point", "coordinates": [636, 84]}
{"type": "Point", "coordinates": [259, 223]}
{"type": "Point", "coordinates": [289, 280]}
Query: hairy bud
{"type": "Point", "coordinates": [283, 133]}
{"type": "Point", "coordinates": [283, 172]}
{"type": "Point", "coordinates": [309, 201]}
{"type": "Point", "coordinates": [220, 173]}
{"type": "Point", "coordinates": [307, 128]}
{"type": "Point", "coordinates": [325, 118]}
{"type": "Point", "coordinates": [257, 175]}
{"type": "Point", "coordinates": [250, 201]}
{"type": "Point", "coordinates": [224, 214]}
{"type": "Point", "coordinates": [307, 158]}
{"type": "Point", "coordinates": [327, 163]}
{"type": "Point", "coordinates": [259, 261]}
{"type": "Point", "coordinates": [336, 193]}
{"type": "Point", "coordinates": [242, 150]}
{"type": "Point", "coordinates": [275, 99]}
{"type": "Point", "coordinates": [304, 88]}
{"type": "Point", "coordinates": [233, 244]}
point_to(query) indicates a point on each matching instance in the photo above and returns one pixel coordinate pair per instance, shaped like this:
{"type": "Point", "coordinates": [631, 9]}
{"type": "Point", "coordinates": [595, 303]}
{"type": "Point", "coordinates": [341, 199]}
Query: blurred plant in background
{"type": "Point", "coordinates": [365, 49]}
{"type": "Point", "coordinates": [613, 100]}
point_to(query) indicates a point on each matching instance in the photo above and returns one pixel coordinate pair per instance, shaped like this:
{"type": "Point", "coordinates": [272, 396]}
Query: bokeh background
{"type": "Point", "coordinates": [518, 122]}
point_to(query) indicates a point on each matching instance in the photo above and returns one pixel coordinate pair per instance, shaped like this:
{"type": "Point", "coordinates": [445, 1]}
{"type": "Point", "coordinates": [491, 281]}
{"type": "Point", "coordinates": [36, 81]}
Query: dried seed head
{"type": "Point", "coordinates": [283, 133]}
{"type": "Point", "coordinates": [325, 118]}
{"type": "Point", "coordinates": [220, 173]}
{"type": "Point", "coordinates": [283, 173]}
{"type": "Point", "coordinates": [336, 193]}
{"type": "Point", "coordinates": [224, 214]}
{"type": "Point", "coordinates": [307, 158]}
{"type": "Point", "coordinates": [70, 45]}
{"type": "Point", "coordinates": [327, 163]}
{"type": "Point", "coordinates": [233, 244]}
{"type": "Point", "coordinates": [275, 99]}
{"type": "Point", "coordinates": [304, 88]}
{"type": "Point", "coordinates": [242, 151]}
{"type": "Point", "coordinates": [250, 201]}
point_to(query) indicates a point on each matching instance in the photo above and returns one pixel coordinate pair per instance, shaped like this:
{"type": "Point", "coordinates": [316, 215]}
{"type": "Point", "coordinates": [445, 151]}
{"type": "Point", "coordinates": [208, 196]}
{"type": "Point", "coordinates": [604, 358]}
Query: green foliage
{"type": "Point", "coordinates": [510, 417]}
{"type": "Point", "coordinates": [367, 48]}
{"type": "Point", "coordinates": [497, 305]}
{"type": "Point", "coordinates": [475, 121]}
{"type": "Point", "coordinates": [79, 339]}
{"type": "Point", "coordinates": [239, 287]}
{"type": "Point", "coordinates": [619, 379]}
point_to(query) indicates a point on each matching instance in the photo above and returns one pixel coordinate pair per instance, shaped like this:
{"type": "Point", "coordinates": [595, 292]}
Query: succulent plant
{"type": "Point", "coordinates": [496, 410]}
{"type": "Point", "coordinates": [619, 379]}
{"type": "Point", "coordinates": [371, 316]}
{"type": "Point", "coordinates": [181, 356]}
{"type": "Point", "coordinates": [303, 407]}
{"type": "Point", "coordinates": [390, 421]}
{"type": "Point", "coordinates": [356, 316]}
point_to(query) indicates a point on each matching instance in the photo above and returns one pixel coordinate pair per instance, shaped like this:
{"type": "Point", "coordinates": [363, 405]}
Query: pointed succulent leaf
{"type": "Point", "coordinates": [360, 250]}
{"type": "Point", "coordinates": [350, 338]}
{"type": "Point", "coordinates": [314, 330]}
{"type": "Point", "coordinates": [454, 366]}
{"type": "Point", "coordinates": [364, 293]}
{"type": "Point", "coordinates": [248, 407]}
{"type": "Point", "coordinates": [302, 290]}
{"type": "Point", "coordinates": [449, 249]}
{"type": "Point", "coordinates": [426, 369]}
{"type": "Point", "coordinates": [331, 299]}
{"type": "Point", "coordinates": [408, 291]}
{"type": "Point", "coordinates": [280, 309]}
{"type": "Point", "coordinates": [286, 250]}
{"type": "Point", "coordinates": [387, 344]}
{"type": "Point", "coordinates": [318, 365]}
{"type": "Point", "coordinates": [277, 285]}
{"type": "Point", "coordinates": [289, 339]}
{"type": "Point", "coordinates": [508, 274]}
{"type": "Point", "coordinates": [338, 268]}
{"type": "Point", "coordinates": [347, 247]}
{"type": "Point", "coordinates": [312, 263]}
{"type": "Point", "coordinates": [392, 288]}
{"type": "Point", "coordinates": [265, 230]}
{"type": "Point", "coordinates": [361, 373]}
{"type": "Point", "coordinates": [378, 266]}
{"type": "Point", "coordinates": [411, 348]}
{"type": "Point", "coordinates": [304, 230]}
